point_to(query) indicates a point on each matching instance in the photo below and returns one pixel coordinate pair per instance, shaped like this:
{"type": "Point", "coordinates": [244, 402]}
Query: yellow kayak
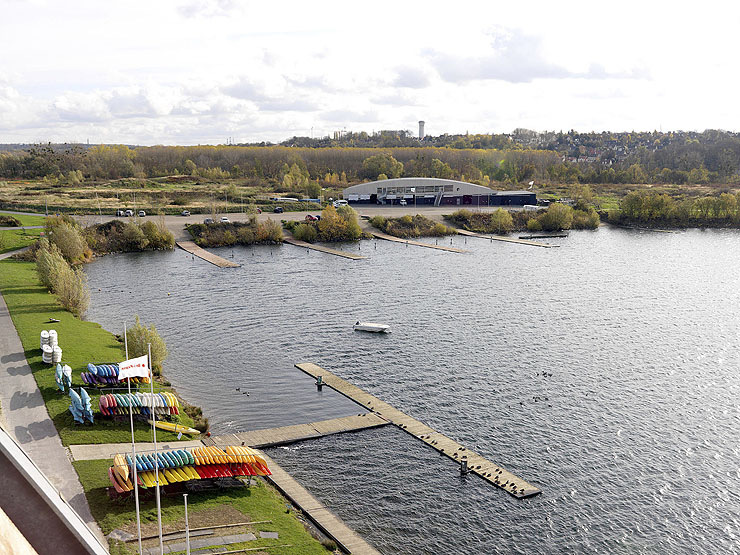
{"type": "Point", "coordinates": [175, 428]}
{"type": "Point", "coordinates": [120, 467]}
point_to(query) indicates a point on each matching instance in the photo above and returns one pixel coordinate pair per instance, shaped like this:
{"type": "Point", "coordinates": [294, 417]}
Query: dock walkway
{"type": "Point", "coordinates": [477, 464]}
{"type": "Point", "coordinates": [387, 237]}
{"type": "Point", "coordinates": [195, 250]}
{"type": "Point", "coordinates": [505, 239]}
{"type": "Point", "coordinates": [347, 539]}
{"type": "Point", "coordinates": [327, 250]}
{"type": "Point", "coordinates": [299, 432]}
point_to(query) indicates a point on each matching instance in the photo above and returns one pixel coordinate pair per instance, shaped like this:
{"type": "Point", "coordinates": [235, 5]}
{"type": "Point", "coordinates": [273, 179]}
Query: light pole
{"type": "Point", "coordinates": [413, 190]}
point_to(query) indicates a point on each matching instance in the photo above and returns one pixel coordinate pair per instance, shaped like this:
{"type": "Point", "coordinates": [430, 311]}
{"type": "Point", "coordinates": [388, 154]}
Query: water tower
{"type": "Point", "coordinates": [421, 130]}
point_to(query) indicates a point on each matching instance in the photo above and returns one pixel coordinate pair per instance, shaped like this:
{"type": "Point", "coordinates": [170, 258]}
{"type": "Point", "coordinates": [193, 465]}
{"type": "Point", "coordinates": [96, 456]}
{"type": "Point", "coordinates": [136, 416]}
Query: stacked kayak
{"type": "Point", "coordinates": [183, 465]}
{"type": "Point", "coordinates": [105, 374]}
{"type": "Point", "coordinates": [80, 406]}
{"type": "Point", "coordinates": [63, 377]}
{"type": "Point", "coordinates": [161, 404]}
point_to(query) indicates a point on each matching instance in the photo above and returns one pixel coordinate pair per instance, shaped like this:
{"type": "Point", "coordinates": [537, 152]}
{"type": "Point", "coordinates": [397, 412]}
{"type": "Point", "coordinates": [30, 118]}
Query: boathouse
{"type": "Point", "coordinates": [434, 192]}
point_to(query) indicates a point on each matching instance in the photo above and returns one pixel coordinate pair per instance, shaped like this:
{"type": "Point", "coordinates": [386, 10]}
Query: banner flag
{"type": "Point", "coordinates": [133, 368]}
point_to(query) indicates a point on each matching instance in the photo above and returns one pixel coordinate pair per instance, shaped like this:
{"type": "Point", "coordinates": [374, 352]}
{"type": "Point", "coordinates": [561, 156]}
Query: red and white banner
{"type": "Point", "coordinates": [133, 368]}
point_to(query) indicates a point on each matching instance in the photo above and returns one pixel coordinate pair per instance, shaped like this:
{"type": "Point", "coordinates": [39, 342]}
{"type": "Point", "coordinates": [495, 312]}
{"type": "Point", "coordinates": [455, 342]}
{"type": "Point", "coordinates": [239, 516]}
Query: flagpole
{"type": "Point", "coordinates": [133, 449]}
{"type": "Point", "coordinates": [156, 457]}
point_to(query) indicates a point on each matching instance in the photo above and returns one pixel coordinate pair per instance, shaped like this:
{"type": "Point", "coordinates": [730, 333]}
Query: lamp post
{"type": "Point", "coordinates": [413, 190]}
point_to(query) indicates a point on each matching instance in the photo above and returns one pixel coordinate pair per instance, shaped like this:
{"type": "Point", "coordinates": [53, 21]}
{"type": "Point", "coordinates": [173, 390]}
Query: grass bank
{"type": "Point", "coordinates": [26, 219]}
{"type": "Point", "coordinates": [13, 239]}
{"type": "Point", "coordinates": [255, 503]}
{"type": "Point", "coordinates": [31, 306]}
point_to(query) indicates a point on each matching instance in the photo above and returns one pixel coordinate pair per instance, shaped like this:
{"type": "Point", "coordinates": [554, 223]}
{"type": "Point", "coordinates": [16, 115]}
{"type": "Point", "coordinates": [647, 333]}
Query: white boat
{"type": "Point", "coordinates": [371, 327]}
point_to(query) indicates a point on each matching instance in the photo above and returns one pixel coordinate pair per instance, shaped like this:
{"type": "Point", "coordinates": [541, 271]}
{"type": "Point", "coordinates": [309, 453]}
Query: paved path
{"type": "Point", "coordinates": [11, 253]}
{"type": "Point", "coordinates": [25, 418]}
{"type": "Point", "coordinates": [94, 452]}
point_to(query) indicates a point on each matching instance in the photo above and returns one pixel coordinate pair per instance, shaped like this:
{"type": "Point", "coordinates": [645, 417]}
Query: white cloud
{"type": "Point", "coordinates": [196, 71]}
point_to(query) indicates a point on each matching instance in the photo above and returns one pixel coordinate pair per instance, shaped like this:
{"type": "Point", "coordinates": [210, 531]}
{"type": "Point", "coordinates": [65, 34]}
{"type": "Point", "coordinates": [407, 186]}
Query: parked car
{"type": "Point", "coordinates": [338, 203]}
{"type": "Point", "coordinates": [128, 213]}
{"type": "Point", "coordinates": [310, 218]}
{"type": "Point", "coordinates": [208, 221]}
{"type": "Point", "coordinates": [259, 211]}
{"type": "Point", "coordinates": [120, 213]}
{"type": "Point", "coordinates": [278, 210]}
{"type": "Point", "coordinates": [224, 220]}
{"type": "Point", "coordinates": [185, 213]}
{"type": "Point", "coordinates": [142, 214]}
{"type": "Point", "coordinates": [402, 202]}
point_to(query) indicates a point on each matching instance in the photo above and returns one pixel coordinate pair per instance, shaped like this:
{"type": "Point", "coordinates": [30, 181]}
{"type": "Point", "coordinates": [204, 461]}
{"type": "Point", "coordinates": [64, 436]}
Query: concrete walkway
{"type": "Point", "coordinates": [24, 416]}
{"type": "Point", "coordinates": [11, 253]}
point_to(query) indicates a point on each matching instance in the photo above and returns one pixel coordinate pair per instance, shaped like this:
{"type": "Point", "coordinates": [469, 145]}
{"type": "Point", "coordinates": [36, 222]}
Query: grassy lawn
{"type": "Point", "coordinates": [30, 307]}
{"type": "Point", "coordinates": [26, 220]}
{"type": "Point", "coordinates": [12, 239]}
{"type": "Point", "coordinates": [258, 502]}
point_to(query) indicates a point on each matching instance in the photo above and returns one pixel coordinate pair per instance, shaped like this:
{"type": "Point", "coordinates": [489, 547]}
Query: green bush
{"type": "Point", "coordinates": [139, 336]}
{"type": "Point", "coordinates": [69, 240]}
{"type": "Point", "coordinates": [534, 225]}
{"type": "Point", "coordinates": [305, 232]}
{"type": "Point", "coordinates": [558, 217]}
{"type": "Point", "coordinates": [501, 221]}
{"type": "Point", "coordinates": [69, 286]}
{"type": "Point", "coordinates": [585, 219]}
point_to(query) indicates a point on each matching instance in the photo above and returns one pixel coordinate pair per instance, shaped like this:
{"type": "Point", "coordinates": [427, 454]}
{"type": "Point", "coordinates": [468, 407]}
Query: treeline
{"type": "Point", "coordinates": [639, 158]}
{"type": "Point", "coordinates": [642, 207]}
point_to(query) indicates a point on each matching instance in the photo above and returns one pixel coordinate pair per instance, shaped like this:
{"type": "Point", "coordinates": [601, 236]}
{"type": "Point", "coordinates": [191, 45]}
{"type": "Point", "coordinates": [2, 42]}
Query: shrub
{"type": "Point", "coordinates": [158, 238]}
{"type": "Point", "coordinates": [8, 221]}
{"type": "Point", "coordinates": [534, 225]}
{"type": "Point", "coordinates": [69, 240]}
{"type": "Point", "coordinates": [269, 231]}
{"type": "Point", "coordinates": [501, 221]}
{"type": "Point", "coordinates": [305, 232]}
{"type": "Point", "coordinates": [245, 236]}
{"type": "Point", "coordinates": [139, 336]}
{"type": "Point", "coordinates": [133, 238]}
{"type": "Point", "coordinates": [70, 288]}
{"type": "Point", "coordinates": [48, 262]}
{"type": "Point", "coordinates": [587, 219]}
{"type": "Point", "coordinates": [557, 217]}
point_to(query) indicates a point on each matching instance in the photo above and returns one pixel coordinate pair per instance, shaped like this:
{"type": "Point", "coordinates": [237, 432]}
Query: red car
{"type": "Point", "coordinates": [310, 218]}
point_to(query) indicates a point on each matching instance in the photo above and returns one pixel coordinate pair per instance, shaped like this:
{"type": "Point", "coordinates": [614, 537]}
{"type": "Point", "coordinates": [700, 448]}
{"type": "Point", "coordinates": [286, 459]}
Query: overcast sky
{"type": "Point", "coordinates": [201, 71]}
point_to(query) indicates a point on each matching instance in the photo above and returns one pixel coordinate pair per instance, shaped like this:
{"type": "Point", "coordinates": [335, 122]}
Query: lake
{"type": "Point", "coordinates": [605, 372]}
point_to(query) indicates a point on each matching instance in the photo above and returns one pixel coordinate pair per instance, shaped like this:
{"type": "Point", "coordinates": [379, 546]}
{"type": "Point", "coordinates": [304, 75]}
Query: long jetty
{"type": "Point", "coordinates": [387, 237]}
{"type": "Point", "coordinates": [505, 239]}
{"type": "Point", "coordinates": [469, 460]}
{"type": "Point", "coordinates": [327, 250]}
{"type": "Point", "coordinates": [195, 250]}
{"type": "Point", "coordinates": [300, 432]}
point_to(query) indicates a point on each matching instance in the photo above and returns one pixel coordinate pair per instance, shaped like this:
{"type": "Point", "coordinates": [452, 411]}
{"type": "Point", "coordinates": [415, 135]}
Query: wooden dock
{"type": "Point", "coordinates": [387, 237]}
{"type": "Point", "coordinates": [476, 463]}
{"type": "Point", "coordinates": [290, 434]}
{"type": "Point", "coordinates": [345, 538]}
{"type": "Point", "coordinates": [195, 250]}
{"type": "Point", "coordinates": [327, 250]}
{"type": "Point", "coordinates": [505, 239]}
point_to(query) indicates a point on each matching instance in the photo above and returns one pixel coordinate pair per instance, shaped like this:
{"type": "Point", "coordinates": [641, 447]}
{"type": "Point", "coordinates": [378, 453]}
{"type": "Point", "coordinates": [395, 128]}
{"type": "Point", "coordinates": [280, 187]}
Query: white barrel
{"type": "Point", "coordinates": [57, 354]}
{"type": "Point", "coordinates": [53, 340]}
{"type": "Point", "coordinates": [46, 354]}
{"type": "Point", "coordinates": [44, 340]}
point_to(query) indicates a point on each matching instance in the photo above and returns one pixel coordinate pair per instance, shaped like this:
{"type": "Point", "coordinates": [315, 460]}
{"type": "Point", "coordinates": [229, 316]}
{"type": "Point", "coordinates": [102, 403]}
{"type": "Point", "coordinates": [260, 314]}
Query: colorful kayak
{"type": "Point", "coordinates": [175, 428]}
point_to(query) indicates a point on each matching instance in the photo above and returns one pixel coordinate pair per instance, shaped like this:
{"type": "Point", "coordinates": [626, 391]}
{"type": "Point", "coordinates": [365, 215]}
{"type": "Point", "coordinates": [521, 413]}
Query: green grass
{"type": "Point", "coordinates": [258, 502]}
{"type": "Point", "coordinates": [31, 306]}
{"type": "Point", "coordinates": [26, 220]}
{"type": "Point", "coordinates": [12, 239]}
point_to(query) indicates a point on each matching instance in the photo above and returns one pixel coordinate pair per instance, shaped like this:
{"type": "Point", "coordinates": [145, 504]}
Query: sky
{"type": "Point", "coordinates": [209, 71]}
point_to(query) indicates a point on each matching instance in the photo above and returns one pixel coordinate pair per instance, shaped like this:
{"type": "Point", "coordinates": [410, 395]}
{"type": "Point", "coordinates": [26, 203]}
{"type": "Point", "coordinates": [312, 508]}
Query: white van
{"type": "Point", "coordinates": [338, 203]}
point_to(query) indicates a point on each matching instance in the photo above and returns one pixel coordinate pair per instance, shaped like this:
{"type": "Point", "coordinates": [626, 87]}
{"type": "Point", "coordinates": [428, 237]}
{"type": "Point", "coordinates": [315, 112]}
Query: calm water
{"type": "Point", "coordinates": [635, 447]}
